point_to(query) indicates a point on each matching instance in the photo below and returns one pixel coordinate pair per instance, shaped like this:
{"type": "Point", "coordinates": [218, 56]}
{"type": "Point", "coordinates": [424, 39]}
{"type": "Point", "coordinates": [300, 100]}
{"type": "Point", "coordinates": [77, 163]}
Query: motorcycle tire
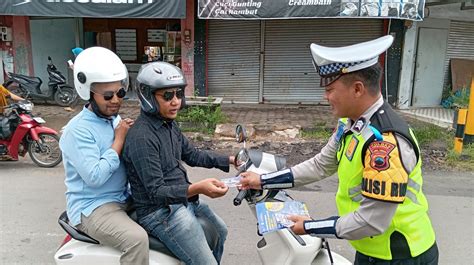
{"type": "Point", "coordinates": [66, 97]}
{"type": "Point", "coordinates": [48, 154]}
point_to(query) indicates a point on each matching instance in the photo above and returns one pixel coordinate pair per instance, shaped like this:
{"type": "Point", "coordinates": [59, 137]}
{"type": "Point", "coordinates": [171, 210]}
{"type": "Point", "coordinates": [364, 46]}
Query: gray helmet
{"type": "Point", "coordinates": [157, 76]}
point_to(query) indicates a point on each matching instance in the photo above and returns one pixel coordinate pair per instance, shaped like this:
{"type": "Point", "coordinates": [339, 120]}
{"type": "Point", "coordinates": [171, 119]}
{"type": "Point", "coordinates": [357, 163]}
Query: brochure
{"type": "Point", "coordinates": [273, 215]}
{"type": "Point", "coordinates": [232, 182]}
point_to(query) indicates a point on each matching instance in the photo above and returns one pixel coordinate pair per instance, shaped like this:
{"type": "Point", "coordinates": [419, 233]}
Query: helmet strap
{"type": "Point", "coordinates": [96, 109]}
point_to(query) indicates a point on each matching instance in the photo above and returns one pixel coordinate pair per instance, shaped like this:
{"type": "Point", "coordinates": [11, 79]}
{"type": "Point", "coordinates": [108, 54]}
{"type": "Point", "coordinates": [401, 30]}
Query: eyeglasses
{"type": "Point", "coordinates": [108, 95]}
{"type": "Point", "coordinates": [169, 95]}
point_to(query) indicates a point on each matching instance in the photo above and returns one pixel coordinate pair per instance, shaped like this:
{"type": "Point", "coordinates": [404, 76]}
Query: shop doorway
{"type": "Point", "coordinates": [428, 79]}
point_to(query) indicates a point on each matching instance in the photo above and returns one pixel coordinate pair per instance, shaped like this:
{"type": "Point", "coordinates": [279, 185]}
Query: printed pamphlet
{"type": "Point", "coordinates": [273, 215]}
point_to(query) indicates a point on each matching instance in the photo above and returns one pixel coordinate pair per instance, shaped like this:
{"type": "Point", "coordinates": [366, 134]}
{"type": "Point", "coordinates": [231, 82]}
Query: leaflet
{"type": "Point", "coordinates": [232, 182]}
{"type": "Point", "coordinates": [274, 215]}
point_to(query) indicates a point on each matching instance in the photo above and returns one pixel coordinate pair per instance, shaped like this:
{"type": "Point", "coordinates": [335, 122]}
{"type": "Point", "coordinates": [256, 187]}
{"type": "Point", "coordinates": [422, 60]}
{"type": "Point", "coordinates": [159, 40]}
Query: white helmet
{"type": "Point", "coordinates": [97, 65]}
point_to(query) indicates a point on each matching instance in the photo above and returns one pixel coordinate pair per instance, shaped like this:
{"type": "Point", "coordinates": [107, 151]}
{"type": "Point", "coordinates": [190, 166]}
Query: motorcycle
{"type": "Point", "coordinates": [30, 87]}
{"type": "Point", "coordinates": [79, 248]}
{"type": "Point", "coordinates": [281, 246]}
{"type": "Point", "coordinates": [21, 133]}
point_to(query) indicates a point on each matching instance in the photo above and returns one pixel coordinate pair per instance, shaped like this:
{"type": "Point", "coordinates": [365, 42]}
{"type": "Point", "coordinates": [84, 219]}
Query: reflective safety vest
{"type": "Point", "coordinates": [410, 219]}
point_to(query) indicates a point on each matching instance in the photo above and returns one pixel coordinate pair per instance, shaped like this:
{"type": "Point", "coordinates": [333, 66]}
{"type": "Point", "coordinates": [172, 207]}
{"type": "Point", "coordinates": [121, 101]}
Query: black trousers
{"type": "Point", "coordinates": [429, 257]}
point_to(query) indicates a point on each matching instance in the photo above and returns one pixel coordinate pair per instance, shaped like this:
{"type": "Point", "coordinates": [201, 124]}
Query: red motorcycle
{"type": "Point", "coordinates": [21, 132]}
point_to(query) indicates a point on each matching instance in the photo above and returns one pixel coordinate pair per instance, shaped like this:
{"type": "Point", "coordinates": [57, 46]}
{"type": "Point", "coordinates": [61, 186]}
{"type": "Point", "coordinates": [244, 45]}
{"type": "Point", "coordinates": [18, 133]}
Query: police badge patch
{"type": "Point", "coordinates": [340, 131]}
{"type": "Point", "coordinates": [352, 147]}
{"type": "Point", "coordinates": [380, 155]}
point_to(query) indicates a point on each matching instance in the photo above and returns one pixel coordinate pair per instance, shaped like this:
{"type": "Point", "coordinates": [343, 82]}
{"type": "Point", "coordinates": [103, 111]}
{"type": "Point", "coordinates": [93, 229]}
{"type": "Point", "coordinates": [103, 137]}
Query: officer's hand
{"type": "Point", "coordinates": [212, 187]}
{"type": "Point", "coordinates": [232, 160]}
{"type": "Point", "coordinates": [250, 180]}
{"type": "Point", "coordinates": [298, 227]}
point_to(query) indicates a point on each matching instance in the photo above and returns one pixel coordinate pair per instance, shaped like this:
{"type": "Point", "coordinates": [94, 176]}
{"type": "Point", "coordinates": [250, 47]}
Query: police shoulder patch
{"type": "Point", "coordinates": [380, 154]}
{"type": "Point", "coordinates": [384, 177]}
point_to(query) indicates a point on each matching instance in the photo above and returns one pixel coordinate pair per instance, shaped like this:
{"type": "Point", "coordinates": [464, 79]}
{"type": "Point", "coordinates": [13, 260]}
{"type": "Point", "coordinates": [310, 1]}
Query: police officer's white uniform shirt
{"type": "Point", "coordinates": [373, 217]}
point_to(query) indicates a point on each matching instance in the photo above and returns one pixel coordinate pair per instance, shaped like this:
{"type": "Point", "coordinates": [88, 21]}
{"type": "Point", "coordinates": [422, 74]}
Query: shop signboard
{"type": "Point", "coordinates": [284, 9]}
{"type": "Point", "coordinates": [95, 8]}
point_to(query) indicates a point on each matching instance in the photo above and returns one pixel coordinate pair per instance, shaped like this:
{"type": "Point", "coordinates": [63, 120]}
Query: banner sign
{"type": "Point", "coordinates": [95, 8]}
{"type": "Point", "coordinates": [278, 9]}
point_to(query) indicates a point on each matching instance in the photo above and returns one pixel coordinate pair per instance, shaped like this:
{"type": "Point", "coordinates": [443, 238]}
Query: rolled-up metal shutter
{"type": "Point", "coordinates": [460, 45]}
{"type": "Point", "coordinates": [289, 75]}
{"type": "Point", "coordinates": [234, 60]}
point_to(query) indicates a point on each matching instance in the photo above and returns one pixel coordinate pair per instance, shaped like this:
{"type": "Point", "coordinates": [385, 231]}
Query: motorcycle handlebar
{"type": "Point", "coordinates": [240, 196]}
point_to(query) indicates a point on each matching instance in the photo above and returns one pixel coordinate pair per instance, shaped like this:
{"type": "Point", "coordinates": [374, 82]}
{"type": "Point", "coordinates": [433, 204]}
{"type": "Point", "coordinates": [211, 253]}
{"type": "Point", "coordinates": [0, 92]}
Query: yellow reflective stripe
{"type": "Point", "coordinates": [412, 196]}
{"type": "Point", "coordinates": [412, 184]}
{"type": "Point", "coordinates": [355, 194]}
{"type": "Point", "coordinates": [357, 198]}
{"type": "Point", "coordinates": [355, 190]}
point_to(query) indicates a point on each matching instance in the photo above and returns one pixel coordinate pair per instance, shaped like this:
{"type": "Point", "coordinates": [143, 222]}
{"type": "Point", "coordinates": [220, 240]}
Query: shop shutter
{"type": "Point", "coordinates": [460, 45]}
{"type": "Point", "coordinates": [234, 60]}
{"type": "Point", "coordinates": [289, 75]}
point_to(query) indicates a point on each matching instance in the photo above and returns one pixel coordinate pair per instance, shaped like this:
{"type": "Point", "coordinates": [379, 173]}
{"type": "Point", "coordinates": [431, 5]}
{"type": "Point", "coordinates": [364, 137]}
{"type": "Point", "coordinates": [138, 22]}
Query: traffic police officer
{"type": "Point", "coordinates": [382, 209]}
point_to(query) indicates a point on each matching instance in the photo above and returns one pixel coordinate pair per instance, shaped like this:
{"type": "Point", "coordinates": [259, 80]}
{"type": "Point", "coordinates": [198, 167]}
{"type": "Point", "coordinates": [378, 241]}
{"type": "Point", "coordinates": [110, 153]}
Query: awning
{"type": "Point", "coordinates": [95, 8]}
{"type": "Point", "coordinates": [280, 9]}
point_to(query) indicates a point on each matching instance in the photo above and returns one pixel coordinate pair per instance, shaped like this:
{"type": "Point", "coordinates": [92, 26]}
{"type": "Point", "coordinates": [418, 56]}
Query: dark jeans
{"type": "Point", "coordinates": [429, 257]}
{"type": "Point", "coordinates": [178, 228]}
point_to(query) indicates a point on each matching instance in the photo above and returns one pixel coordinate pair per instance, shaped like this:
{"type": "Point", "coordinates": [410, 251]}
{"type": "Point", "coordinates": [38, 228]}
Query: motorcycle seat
{"type": "Point", "coordinates": [154, 243]}
{"type": "Point", "coordinates": [28, 79]}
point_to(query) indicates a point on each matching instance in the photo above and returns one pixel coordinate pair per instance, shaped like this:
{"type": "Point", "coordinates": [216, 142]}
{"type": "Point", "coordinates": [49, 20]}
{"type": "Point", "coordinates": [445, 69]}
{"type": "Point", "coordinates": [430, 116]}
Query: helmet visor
{"type": "Point", "coordinates": [126, 81]}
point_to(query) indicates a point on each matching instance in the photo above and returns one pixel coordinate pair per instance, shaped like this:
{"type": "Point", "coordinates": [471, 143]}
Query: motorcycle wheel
{"type": "Point", "coordinates": [66, 97]}
{"type": "Point", "coordinates": [45, 152]}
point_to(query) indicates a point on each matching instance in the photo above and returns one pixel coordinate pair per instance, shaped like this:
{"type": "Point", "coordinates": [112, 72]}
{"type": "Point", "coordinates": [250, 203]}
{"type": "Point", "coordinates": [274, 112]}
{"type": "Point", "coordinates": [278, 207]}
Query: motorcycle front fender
{"type": "Point", "coordinates": [35, 131]}
{"type": "Point", "coordinates": [17, 139]}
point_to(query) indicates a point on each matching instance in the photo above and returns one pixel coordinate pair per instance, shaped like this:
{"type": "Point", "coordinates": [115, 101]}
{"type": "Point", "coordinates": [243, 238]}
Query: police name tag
{"type": "Point", "coordinates": [340, 131]}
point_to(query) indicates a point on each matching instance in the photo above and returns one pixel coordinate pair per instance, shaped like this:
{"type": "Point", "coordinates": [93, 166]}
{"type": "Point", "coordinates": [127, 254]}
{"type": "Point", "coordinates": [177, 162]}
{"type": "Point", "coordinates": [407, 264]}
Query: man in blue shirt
{"type": "Point", "coordinates": [96, 181]}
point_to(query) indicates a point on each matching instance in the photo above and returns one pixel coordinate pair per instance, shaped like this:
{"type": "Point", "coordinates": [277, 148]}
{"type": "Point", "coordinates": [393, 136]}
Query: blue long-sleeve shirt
{"type": "Point", "coordinates": [94, 173]}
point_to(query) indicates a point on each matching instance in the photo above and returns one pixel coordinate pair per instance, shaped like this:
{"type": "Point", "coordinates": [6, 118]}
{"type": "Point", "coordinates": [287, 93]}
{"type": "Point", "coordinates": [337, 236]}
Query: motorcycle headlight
{"type": "Point", "coordinates": [28, 106]}
{"type": "Point", "coordinates": [241, 160]}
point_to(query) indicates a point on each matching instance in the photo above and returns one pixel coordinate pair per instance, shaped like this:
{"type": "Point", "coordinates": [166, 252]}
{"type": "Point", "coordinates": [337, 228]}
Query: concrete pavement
{"type": "Point", "coordinates": [32, 198]}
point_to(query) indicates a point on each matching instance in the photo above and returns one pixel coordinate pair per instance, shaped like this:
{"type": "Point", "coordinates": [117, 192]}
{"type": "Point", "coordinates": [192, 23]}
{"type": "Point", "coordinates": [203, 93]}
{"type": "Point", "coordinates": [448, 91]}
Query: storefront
{"type": "Point", "coordinates": [438, 56]}
{"type": "Point", "coordinates": [270, 62]}
{"type": "Point", "coordinates": [460, 47]}
{"type": "Point", "coordinates": [136, 41]}
{"type": "Point", "coordinates": [138, 31]}
{"type": "Point", "coordinates": [258, 51]}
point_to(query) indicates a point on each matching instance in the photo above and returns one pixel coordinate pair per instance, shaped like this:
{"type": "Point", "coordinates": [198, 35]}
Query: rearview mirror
{"type": "Point", "coordinates": [240, 133]}
{"type": "Point", "coordinates": [241, 160]}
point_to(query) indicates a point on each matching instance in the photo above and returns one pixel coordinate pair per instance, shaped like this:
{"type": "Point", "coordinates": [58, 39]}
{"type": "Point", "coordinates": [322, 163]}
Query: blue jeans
{"type": "Point", "coordinates": [178, 228]}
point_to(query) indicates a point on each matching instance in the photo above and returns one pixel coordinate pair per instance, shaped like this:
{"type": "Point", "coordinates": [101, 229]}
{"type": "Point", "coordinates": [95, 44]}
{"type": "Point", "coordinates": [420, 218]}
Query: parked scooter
{"type": "Point", "coordinates": [79, 248]}
{"type": "Point", "coordinates": [21, 133]}
{"type": "Point", "coordinates": [281, 246]}
{"type": "Point", "coordinates": [30, 87]}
